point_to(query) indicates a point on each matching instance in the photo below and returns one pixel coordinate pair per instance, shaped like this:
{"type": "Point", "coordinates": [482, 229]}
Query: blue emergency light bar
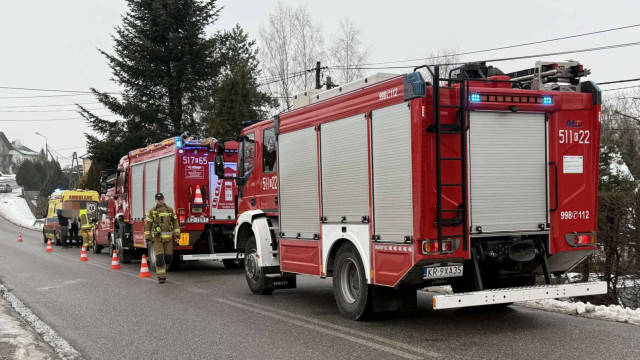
{"type": "Point", "coordinates": [547, 100]}
{"type": "Point", "coordinates": [474, 97]}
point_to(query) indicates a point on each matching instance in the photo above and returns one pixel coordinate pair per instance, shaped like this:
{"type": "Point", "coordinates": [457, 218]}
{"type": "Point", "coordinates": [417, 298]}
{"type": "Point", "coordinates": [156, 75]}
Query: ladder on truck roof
{"type": "Point", "coordinates": [458, 128]}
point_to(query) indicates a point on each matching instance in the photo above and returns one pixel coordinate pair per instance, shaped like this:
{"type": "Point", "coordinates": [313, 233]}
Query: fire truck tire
{"type": "Point", "coordinates": [97, 249]}
{"type": "Point", "coordinates": [350, 288]}
{"type": "Point", "coordinates": [254, 273]}
{"type": "Point", "coordinates": [125, 256]}
{"type": "Point", "coordinates": [44, 236]}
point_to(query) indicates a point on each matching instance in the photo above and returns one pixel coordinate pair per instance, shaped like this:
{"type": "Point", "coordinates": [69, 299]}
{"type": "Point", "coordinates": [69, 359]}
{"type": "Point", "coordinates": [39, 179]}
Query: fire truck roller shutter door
{"type": "Point", "coordinates": [345, 184]}
{"type": "Point", "coordinates": [150, 184]}
{"type": "Point", "coordinates": [392, 185]}
{"type": "Point", "coordinates": [298, 174]}
{"type": "Point", "coordinates": [345, 170]}
{"type": "Point", "coordinates": [507, 164]}
{"type": "Point", "coordinates": [167, 165]}
{"type": "Point", "coordinates": [137, 211]}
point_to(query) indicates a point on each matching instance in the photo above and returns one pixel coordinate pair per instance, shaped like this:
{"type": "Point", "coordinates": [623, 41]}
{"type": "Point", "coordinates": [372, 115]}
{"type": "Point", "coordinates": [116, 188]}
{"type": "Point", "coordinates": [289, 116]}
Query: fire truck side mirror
{"type": "Point", "coordinates": [219, 166]}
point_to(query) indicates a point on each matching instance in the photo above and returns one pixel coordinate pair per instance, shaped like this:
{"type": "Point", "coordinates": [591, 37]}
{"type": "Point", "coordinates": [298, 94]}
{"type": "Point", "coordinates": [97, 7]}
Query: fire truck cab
{"type": "Point", "coordinates": [481, 180]}
{"type": "Point", "coordinates": [182, 169]}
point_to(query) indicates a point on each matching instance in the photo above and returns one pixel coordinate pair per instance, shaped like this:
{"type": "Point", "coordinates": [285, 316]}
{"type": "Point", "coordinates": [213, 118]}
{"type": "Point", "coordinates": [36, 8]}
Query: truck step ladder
{"type": "Point", "coordinates": [459, 128]}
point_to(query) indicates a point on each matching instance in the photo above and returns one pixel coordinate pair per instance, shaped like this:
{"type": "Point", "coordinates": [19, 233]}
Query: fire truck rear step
{"type": "Point", "coordinates": [218, 256]}
{"type": "Point", "coordinates": [525, 293]}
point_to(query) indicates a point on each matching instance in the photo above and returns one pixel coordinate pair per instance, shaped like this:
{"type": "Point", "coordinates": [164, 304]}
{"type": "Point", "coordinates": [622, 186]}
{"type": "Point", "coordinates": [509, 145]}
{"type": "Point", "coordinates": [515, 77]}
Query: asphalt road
{"type": "Point", "coordinates": [207, 311]}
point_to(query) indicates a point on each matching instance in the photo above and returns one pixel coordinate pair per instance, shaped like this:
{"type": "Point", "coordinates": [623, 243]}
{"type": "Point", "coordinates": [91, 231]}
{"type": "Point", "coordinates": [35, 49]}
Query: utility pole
{"type": "Point", "coordinates": [318, 86]}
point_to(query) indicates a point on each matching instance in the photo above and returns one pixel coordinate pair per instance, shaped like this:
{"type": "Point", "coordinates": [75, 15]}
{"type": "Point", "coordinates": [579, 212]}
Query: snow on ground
{"type": "Point", "coordinates": [600, 312]}
{"type": "Point", "coordinates": [16, 210]}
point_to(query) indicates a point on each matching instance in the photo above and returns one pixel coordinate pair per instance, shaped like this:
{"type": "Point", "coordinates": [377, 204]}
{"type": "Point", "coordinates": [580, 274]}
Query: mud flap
{"type": "Point", "coordinates": [277, 281]}
{"type": "Point", "coordinates": [390, 299]}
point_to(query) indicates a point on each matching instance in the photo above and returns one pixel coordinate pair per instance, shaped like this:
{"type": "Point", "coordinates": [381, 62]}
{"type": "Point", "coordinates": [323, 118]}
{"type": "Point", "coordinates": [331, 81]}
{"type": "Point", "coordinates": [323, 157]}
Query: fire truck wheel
{"type": "Point", "coordinates": [44, 236]}
{"type": "Point", "coordinates": [56, 238]}
{"type": "Point", "coordinates": [350, 286]}
{"type": "Point", "coordinates": [97, 249]}
{"type": "Point", "coordinates": [254, 274]}
{"type": "Point", "coordinates": [124, 256]}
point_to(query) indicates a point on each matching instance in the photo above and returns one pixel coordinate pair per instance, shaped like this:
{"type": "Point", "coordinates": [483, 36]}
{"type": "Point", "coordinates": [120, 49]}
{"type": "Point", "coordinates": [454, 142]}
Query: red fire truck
{"type": "Point", "coordinates": [180, 169]}
{"type": "Point", "coordinates": [481, 180]}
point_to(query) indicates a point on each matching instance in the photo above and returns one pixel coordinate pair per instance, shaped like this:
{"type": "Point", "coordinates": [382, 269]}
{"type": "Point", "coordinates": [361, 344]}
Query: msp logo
{"type": "Point", "coordinates": [574, 123]}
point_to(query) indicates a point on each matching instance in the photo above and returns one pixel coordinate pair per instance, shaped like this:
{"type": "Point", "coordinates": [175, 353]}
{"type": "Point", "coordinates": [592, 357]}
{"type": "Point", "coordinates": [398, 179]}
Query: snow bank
{"type": "Point", "coordinates": [600, 312]}
{"type": "Point", "coordinates": [16, 210]}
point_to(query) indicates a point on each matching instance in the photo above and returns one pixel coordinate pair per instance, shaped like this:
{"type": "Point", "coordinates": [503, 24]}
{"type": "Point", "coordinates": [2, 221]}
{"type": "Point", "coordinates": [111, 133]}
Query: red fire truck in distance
{"type": "Point", "coordinates": [180, 169]}
{"type": "Point", "coordinates": [390, 184]}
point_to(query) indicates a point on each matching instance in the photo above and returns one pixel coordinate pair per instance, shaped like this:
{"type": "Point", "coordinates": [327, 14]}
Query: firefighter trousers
{"type": "Point", "coordinates": [163, 251]}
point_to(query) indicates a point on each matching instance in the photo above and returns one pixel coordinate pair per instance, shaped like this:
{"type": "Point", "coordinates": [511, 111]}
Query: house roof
{"type": "Point", "coordinates": [3, 137]}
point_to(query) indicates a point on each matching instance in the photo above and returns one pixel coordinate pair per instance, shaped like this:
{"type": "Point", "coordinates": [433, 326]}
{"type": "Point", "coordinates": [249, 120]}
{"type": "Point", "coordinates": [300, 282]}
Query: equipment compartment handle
{"type": "Point", "coordinates": [555, 176]}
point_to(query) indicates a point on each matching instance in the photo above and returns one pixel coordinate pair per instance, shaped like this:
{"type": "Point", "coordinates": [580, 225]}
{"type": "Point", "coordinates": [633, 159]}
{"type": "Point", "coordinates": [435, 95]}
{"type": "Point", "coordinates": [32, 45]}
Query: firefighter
{"type": "Point", "coordinates": [85, 229]}
{"type": "Point", "coordinates": [160, 229]}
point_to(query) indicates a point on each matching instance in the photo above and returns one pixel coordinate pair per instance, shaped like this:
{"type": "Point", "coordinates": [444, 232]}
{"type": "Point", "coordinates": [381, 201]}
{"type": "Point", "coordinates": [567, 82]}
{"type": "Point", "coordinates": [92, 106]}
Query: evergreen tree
{"type": "Point", "coordinates": [167, 67]}
{"type": "Point", "coordinates": [237, 98]}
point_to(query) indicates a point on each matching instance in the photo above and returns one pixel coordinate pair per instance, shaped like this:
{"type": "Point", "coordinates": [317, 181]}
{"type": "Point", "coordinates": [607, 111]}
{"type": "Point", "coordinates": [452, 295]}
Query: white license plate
{"type": "Point", "coordinates": [197, 220]}
{"type": "Point", "coordinates": [442, 272]}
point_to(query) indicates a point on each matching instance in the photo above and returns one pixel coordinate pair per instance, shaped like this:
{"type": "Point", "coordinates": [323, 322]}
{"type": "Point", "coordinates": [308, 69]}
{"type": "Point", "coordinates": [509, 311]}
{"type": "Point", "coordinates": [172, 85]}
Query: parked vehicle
{"type": "Point", "coordinates": [390, 184]}
{"type": "Point", "coordinates": [5, 188]}
{"type": "Point", "coordinates": [181, 169]}
{"type": "Point", "coordinates": [82, 204]}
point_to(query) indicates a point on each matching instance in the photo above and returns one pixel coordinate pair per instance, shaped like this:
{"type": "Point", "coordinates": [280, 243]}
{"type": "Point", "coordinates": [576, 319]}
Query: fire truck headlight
{"type": "Point", "coordinates": [547, 100]}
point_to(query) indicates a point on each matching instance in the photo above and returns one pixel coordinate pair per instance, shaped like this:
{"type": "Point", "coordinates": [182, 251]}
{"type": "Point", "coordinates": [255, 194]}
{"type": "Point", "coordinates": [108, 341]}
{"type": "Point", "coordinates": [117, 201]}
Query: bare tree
{"type": "Point", "coordinates": [308, 45]}
{"type": "Point", "coordinates": [291, 45]}
{"type": "Point", "coordinates": [348, 52]}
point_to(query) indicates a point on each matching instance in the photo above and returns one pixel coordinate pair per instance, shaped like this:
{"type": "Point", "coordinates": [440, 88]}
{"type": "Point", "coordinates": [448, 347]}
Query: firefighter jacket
{"type": "Point", "coordinates": [161, 224]}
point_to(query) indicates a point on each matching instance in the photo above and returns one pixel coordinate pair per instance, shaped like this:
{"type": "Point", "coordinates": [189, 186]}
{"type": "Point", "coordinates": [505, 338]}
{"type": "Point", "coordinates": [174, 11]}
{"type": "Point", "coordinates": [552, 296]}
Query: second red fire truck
{"type": "Point", "coordinates": [182, 169]}
{"type": "Point", "coordinates": [390, 184]}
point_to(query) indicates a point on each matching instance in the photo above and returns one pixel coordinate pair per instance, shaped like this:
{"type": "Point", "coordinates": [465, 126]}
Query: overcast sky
{"type": "Point", "coordinates": [53, 45]}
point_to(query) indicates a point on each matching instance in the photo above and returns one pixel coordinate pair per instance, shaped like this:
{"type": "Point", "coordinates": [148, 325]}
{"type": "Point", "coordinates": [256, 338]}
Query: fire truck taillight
{"type": "Point", "coordinates": [448, 246]}
{"type": "Point", "coordinates": [181, 215]}
{"type": "Point", "coordinates": [588, 239]}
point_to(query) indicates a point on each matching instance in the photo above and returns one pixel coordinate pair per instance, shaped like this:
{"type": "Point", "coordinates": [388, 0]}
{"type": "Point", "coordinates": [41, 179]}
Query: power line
{"type": "Point", "coordinates": [55, 90]}
{"type": "Point", "coordinates": [618, 81]}
{"type": "Point", "coordinates": [47, 111]}
{"type": "Point", "coordinates": [42, 96]}
{"type": "Point", "coordinates": [53, 105]}
{"type": "Point", "coordinates": [60, 119]}
{"type": "Point", "coordinates": [607, 47]}
{"type": "Point", "coordinates": [622, 88]}
{"type": "Point", "coordinates": [505, 47]}
{"type": "Point", "coordinates": [72, 148]}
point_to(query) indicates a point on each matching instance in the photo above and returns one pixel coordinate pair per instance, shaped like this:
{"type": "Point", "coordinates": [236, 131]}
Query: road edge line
{"type": "Point", "coordinates": [61, 346]}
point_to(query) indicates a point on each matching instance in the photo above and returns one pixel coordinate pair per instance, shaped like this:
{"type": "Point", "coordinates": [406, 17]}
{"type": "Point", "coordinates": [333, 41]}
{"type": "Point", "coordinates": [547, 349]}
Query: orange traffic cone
{"type": "Point", "coordinates": [83, 254]}
{"type": "Point", "coordinates": [19, 237]}
{"type": "Point", "coordinates": [197, 200]}
{"type": "Point", "coordinates": [49, 249]}
{"type": "Point", "coordinates": [144, 268]}
{"type": "Point", "coordinates": [115, 264]}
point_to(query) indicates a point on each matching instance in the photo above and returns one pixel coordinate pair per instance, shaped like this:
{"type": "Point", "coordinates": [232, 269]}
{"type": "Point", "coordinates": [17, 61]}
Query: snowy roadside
{"type": "Point", "coordinates": [600, 312]}
{"type": "Point", "coordinates": [15, 209]}
{"type": "Point", "coordinates": [17, 339]}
